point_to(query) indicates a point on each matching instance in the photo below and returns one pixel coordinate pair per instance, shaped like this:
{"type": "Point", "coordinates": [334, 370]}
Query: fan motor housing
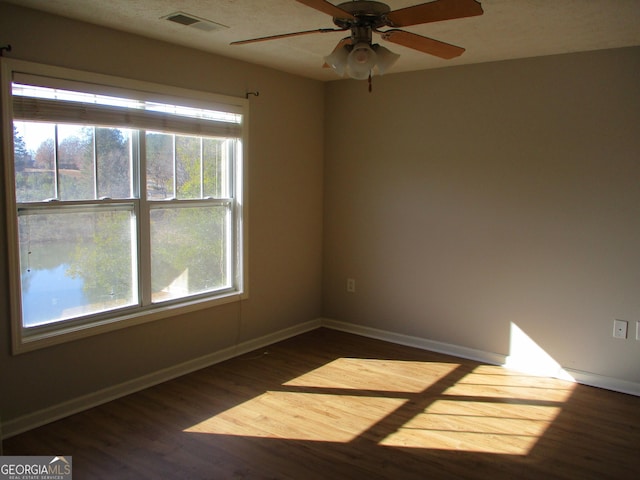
{"type": "Point", "coordinates": [367, 14]}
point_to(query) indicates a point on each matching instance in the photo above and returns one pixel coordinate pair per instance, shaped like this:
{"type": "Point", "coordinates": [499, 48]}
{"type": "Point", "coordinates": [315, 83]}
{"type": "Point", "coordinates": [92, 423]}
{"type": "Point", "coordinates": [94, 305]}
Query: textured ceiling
{"type": "Point", "coordinates": [508, 29]}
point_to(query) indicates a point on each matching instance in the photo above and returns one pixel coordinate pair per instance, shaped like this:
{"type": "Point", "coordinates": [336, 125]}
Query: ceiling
{"type": "Point", "coordinates": [508, 29]}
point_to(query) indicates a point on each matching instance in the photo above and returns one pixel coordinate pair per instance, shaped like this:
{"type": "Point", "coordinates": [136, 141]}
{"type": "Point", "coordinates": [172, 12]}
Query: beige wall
{"type": "Point", "coordinates": [464, 199]}
{"type": "Point", "coordinates": [285, 195]}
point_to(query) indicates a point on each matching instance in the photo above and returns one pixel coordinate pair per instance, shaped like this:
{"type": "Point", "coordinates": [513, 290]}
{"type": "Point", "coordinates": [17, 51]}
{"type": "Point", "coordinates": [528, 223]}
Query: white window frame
{"type": "Point", "coordinates": [60, 332]}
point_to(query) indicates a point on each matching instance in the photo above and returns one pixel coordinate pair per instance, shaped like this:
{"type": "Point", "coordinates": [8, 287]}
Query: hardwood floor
{"type": "Point", "coordinates": [330, 405]}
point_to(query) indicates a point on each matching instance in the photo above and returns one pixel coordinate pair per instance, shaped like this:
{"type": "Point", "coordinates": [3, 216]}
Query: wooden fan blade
{"type": "Point", "coordinates": [341, 43]}
{"type": "Point", "coordinates": [434, 12]}
{"type": "Point", "coordinates": [423, 44]}
{"type": "Point", "coordinates": [326, 7]}
{"type": "Point", "coordinates": [285, 35]}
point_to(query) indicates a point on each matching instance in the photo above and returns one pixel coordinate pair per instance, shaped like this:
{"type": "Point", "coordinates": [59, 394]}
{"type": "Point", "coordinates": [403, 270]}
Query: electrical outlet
{"type": "Point", "coordinates": [620, 328]}
{"type": "Point", "coordinates": [638, 330]}
{"type": "Point", "coordinates": [351, 285]}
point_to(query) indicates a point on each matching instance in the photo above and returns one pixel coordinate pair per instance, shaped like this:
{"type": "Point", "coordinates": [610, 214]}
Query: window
{"type": "Point", "coordinates": [125, 201]}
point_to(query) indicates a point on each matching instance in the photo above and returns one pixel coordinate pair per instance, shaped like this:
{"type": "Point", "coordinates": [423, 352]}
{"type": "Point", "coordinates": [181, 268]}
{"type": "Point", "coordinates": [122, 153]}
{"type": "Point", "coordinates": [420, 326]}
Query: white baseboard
{"type": "Point", "coordinates": [76, 405]}
{"type": "Point", "coordinates": [417, 342]}
{"type": "Point", "coordinates": [584, 378]}
{"type": "Point", "coordinates": [602, 381]}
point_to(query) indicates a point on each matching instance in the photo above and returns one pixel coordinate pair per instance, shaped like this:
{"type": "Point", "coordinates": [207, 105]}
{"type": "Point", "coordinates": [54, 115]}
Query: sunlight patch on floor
{"type": "Point", "coordinates": [375, 374]}
{"type": "Point", "coordinates": [475, 427]}
{"type": "Point", "coordinates": [490, 409]}
{"type": "Point", "coordinates": [301, 416]}
{"type": "Point", "coordinates": [523, 393]}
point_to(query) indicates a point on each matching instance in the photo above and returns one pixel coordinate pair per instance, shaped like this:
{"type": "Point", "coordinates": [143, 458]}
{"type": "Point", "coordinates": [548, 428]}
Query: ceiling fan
{"type": "Point", "coordinates": [357, 56]}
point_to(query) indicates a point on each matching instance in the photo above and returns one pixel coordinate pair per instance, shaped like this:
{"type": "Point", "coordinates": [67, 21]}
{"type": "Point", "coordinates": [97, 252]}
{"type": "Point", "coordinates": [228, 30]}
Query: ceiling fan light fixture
{"type": "Point", "coordinates": [361, 61]}
{"type": "Point", "coordinates": [386, 58]}
{"type": "Point", "coordinates": [338, 60]}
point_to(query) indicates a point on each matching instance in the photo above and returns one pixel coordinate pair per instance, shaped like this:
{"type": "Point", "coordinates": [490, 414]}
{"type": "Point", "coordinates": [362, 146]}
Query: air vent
{"type": "Point", "coordinates": [194, 22]}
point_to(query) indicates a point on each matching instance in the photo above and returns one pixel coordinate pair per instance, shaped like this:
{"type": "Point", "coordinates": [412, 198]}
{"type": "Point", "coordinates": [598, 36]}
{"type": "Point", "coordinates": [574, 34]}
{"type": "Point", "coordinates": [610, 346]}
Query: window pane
{"type": "Point", "coordinates": [34, 161]}
{"type": "Point", "coordinates": [76, 163]}
{"type": "Point", "coordinates": [159, 147]}
{"type": "Point", "coordinates": [189, 251]}
{"type": "Point", "coordinates": [74, 264]}
{"type": "Point", "coordinates": [113, 151]}
{"type": "Point", "coordinates": [215, 168]}
{"type": "Point", "coordinates": [188, 161]}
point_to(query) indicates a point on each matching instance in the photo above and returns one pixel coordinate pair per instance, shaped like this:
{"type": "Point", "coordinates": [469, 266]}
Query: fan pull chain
{"type": "Point", "coordinates": [370, 88]}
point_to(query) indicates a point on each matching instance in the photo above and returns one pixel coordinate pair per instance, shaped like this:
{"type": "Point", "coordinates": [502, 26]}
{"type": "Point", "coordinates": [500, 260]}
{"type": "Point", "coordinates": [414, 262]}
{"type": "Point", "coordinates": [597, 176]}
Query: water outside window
{"type": "Point", "coordinates": [75, 264]}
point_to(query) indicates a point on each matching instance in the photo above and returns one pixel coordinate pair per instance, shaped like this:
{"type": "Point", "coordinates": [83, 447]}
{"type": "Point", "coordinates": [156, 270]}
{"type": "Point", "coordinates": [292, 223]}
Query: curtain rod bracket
{"type": "Point", "coordinates": [256, 93]}
{"type": "Point", "coordinates": [4, 48]}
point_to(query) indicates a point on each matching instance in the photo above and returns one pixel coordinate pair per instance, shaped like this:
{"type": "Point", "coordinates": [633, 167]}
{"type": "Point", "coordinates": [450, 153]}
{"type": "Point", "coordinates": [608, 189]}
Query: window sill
{"type": "Point", "coordinates": [62, 334]}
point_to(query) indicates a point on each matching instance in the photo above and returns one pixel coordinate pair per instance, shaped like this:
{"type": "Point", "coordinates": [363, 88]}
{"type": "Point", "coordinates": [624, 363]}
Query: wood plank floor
{"type": "Point", "coordinates": [330, 405]}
